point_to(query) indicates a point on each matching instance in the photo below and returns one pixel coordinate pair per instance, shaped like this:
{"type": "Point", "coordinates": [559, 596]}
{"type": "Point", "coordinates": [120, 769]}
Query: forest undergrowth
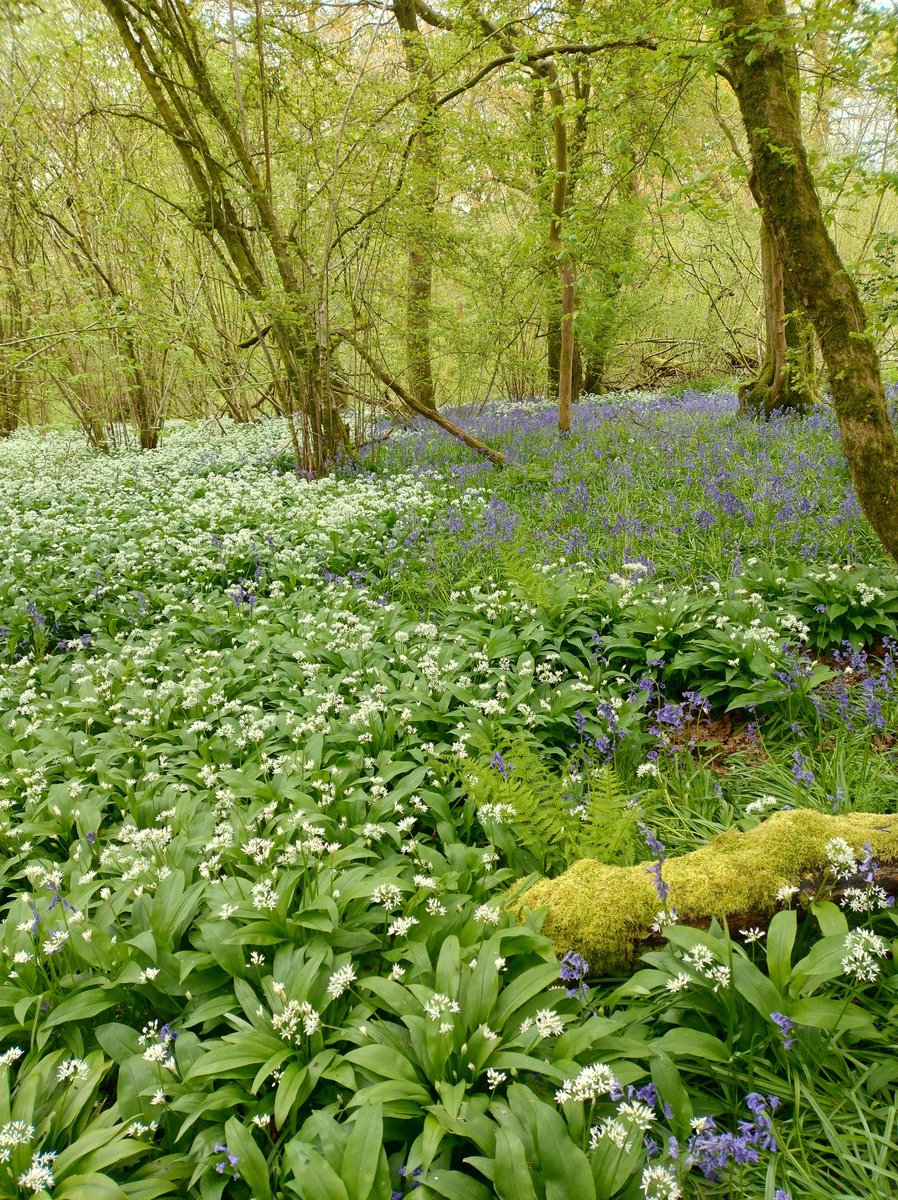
{"type": "Point", "coordinates": [276, 753]}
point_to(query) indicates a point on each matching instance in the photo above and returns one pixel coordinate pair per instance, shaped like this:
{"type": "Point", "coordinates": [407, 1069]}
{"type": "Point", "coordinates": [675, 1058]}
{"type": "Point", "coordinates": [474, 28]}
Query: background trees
{"type": "Point", "coordinates": [320, 209]}
{"type": "Point", "coordinates": [760, 65]}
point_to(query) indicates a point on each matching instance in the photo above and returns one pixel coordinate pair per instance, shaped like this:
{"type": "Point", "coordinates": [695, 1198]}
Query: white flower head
{"type": "Point", "coordinates": [592, 1082]}
{"type": "Point", "coordinates": [660, 1183]}
{"type": "Point", "coordinates": [72, 1068]}
{"type": "Point", "coordinates": [489, 914]}
{"type": "Point", "coordinates": [340, 981]}
{"type": "Point", "coordinates": [637, 1114]}
{"type": "Point", "coordinates": [439, 1005]}
{"type": "Point", "coordinates": [840, 858]}
{"type": "Point", "coordinates": [387, 894]}
{"type": "Point", "coordinates": [679, 982]}
{"type": "Point", "coordinates": [548, 1023]}
{"type": "Point", "coordinates": [39, 1177]}
{"type": "Point", "coordinates": [612, 1129]}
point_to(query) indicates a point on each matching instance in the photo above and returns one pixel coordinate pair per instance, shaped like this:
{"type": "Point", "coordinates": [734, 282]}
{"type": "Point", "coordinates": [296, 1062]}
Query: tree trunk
{"type": "Point", "coordinates": [424, 179]}
{"type": "Point", "coordinates": [561, 254]}
{"type": "Point", "coordinates": [11, 382]}
{"type": "Point", "coordinates": [163, 45]}
{"type": "Point", "coordinates": [567, 278]}
{"type": "Point", "coordinates": [560, 337]}
{"type": "Point", "coordinates": [553, 337]}
{"type": "Point", "coordinates": [760, 68]}
{"type": "Point", "coordinates": [785, 381]}
{"type": "Point", "coordinates": [594, 371]}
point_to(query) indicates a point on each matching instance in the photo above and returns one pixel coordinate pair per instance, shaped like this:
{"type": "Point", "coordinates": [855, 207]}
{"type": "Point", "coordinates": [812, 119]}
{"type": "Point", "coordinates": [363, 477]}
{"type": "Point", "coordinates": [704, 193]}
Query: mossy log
{"type": "Point", "coordinates": [606, 913]}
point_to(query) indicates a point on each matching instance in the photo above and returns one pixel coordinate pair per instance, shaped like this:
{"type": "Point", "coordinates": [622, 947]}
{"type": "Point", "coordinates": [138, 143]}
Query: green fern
{"type": "Point", "coordinates": [549, 827]}
{"type": "Point", "coordinates": [609, 826]}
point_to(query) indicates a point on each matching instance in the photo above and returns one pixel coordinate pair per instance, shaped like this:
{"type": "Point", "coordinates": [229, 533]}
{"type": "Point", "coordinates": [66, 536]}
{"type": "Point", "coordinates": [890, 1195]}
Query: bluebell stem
{"type": "Point", "coordinates": [500, 764]}
{"type": "Point", "coordinates": [785, 1025]}
{"type": "Point", "coordinates": [801, 771]}
{"type": "Point", "coordinates": [574, 969]}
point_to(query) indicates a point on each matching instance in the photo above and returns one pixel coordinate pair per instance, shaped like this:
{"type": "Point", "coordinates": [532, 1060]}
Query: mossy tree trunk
{"type": "Point", "coordinates": [16, 251]}
{"type": "Point", "coordinates": [759, 65]}
{"type": "Point", "coordinates": [424, 185]}
{"type": "Point", "coordinates": [567, 277]}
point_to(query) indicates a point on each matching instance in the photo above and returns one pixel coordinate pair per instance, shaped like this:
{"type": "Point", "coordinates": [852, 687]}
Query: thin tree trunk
{"type": "Point", "coordinates": [560, 343]}
{"type": "Point", "coordinates": [11, 382]}
{"type": "Point", "coordinates": [561, 254]}
{"type": "Point", "coordinates": [568, 281]}
{"type": "Point", "coordinates": [170, 31]}
{"type": "Point", "coordinates": [760, 69]}
{"type": "Point", "coordinates": [553, 336]}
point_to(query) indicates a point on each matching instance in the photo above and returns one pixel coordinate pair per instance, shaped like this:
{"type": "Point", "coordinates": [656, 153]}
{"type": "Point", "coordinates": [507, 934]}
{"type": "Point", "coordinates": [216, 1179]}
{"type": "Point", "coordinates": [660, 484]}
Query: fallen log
{"type": "Point", "coordinates": [606, 913]}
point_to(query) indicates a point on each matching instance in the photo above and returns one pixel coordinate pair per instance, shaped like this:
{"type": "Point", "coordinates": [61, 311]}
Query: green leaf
{"type": "Point", "coordinates": [691, 1043]}
{"type": "Point", "coordinates": [821, 963]}
{"type": "Point", "coordinates": [252, 1165]}
{"type": "Point", "coordinates": [391, 1089]}
{"type": "Point", "coordinates": [384, 1061]}
{"type": "Point", "coordinates": [314, 1177]}
{"type": "Point", "coordinates": [522, 989]}
{"type": "Point", "coordinates": [564, 1165]}
{"type": "Point", "coordinates": [669, 1085]}
{"type": "Point", "coordinates": [455, 1185]}
{"type": "Point", "coordinates": [119, 1041]}
{"type": "Point", "coordinates": [511, 1177]}
{"type": "Point", "coordinates": [831, 1015]}
{"type": "Point", "coordinates": [363, 1150]}
{"type": "Point", "coordinates": [83, 1005]}
{"type": "Point", "coordinates": [780, 940]}
{"type": "Point", "coordinates": [830, 918]}
{"type": "Point", "coordinates": [448, 967]}
{"type": "Point", "coordinates": [287, 1091]}
{"type": "Point", "coordinates": [754, 986]}
{"type": "Point", "coordinates": [98, 1187]}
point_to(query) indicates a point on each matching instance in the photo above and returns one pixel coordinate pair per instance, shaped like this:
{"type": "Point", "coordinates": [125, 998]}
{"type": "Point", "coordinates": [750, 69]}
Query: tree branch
{"type": "Point", "coordinates": [406, 398]}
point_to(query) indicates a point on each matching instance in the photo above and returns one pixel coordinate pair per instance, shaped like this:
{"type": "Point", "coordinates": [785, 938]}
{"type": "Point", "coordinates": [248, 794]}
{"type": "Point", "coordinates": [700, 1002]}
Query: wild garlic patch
{"type": "Point", "coordinates": [269, 773]}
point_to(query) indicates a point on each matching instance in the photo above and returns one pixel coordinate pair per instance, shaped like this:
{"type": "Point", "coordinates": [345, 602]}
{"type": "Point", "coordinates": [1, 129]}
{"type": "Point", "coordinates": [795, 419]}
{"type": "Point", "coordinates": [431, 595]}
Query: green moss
{"type": "Point", "coordinates": [603, 912]}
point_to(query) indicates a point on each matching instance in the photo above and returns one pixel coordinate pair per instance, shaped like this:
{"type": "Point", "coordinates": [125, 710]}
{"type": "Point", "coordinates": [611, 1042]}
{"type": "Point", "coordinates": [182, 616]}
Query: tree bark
{"type": "Point", "coordinates": [759, 68]}
{"type": "Point", "coordinates": [424, 181]}
{"type": "Point", "coordinates": [561, 353]}
{"type": "Point", "coordinates": [162, 43]}
{"type": "Point", "coordinates": [11, 383]}
{"type": "Point", "coordinates": [786, 378]}
{"type": "Point", "coordinates": [564, 262]}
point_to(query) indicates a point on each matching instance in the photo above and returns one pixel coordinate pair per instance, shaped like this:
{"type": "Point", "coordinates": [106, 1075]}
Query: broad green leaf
{"type": "Point", "coordinates": [252, 1165]}
{"type": "Point", "coordinates": [780, 940]}
{"type": "Point", "coordinates": [313, 1176]}
{"type": "Point", "coordinates": [691, 1043]}
{"type": "Point", "coordinates": [83, 1005]}
{"type": "Point", "coordinates": [511, 1176]}
{"type": "Point", "coordinates": [363, 1151]}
